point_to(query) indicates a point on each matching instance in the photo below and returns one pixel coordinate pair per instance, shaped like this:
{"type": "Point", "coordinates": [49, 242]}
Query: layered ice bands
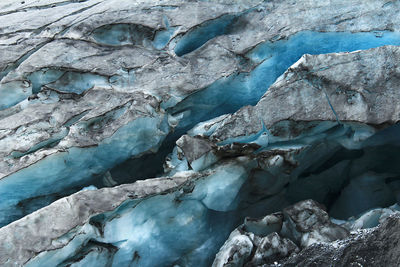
{"type": "Point", "coordinates": [252, 113]}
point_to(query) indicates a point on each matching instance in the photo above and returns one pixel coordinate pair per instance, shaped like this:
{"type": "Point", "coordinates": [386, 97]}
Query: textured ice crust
{"type": "Point", "coordinates": [278, 235]}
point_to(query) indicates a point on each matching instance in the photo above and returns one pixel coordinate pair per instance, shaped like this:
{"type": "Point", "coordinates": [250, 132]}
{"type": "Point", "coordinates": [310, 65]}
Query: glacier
{"type": "Point", "coordinates": [169, 133]}
{"type": "Point", "coordinates": [244, 88]}
{"type": "Point", "coordinates": [247, 181]}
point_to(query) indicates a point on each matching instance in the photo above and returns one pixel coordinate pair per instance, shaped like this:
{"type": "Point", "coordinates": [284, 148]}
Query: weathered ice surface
{"type": "Point", "coordinates": [371, 247]}
{"type": "Point", "coordinates": [243, 108]}
{"type": "Point", "coordinates": [269, 241]}
{"type": "Point", "coordinates": [277, 236]}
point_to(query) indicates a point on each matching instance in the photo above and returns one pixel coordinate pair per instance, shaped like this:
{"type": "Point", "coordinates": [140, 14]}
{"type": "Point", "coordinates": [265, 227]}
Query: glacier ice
{"type": "Point", "coordinates": [368, 219]}
{"type": "Point", "coordinates": [200, 211]}
{"type": "Point", "coordinates": [76, 82]}
{"type": "Point", "coordinates": [367, 191]}
{"type": "Point", "coordinates": [271, 59]}
{"type": "Point", "coordinates": [162, 37]}
{"type": "Point", "coordinates": [237, 248]}
{"type": "Point", "coordinates": [76, 167]}
{"type": "Point", "coordinates": [94, 94]}
{"type": "Point", "coordinates": [204, 32]}
{"type": "Point", "coordinates": [141, 226]}
{"type": "Point", "coordinates": [279, 235]}
{"type": "Point", "coordinates": [122, 34]}
{"type": "Point", "coordinates": [300, 159]}
{"type": "Point", "coordinates": [13, 93]}
{"type": "Point", "coordinates": [43, 77]}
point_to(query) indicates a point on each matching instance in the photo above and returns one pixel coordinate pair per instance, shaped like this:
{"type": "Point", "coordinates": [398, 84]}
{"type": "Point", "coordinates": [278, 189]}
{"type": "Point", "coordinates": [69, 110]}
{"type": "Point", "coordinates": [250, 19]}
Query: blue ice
{"type": "Point", "coordinates": [12, 93]}
{"type": "Point", "coordinates": [65, 81]}
{"type": "Point", "coordinates": [162, 38]}
{"type": "Point", "coordinates": [122, 34]}
{"type": "Point", "coordinates": [229, 94]}
{"type": "Point", "coordinates": [187, 227]}
{"type": "Point", "coordinates": [117, 34]}
{"type": "Point", "coordinates": [76, 167]}
{"type": "Point", "coordinates": [184, 229]}
{"type": "Point", "coordinates": [202, 33]}
{"type": "Point", "coordinates": [43, 77]}
{"type": "Point", "coordinates": [74, 82]}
